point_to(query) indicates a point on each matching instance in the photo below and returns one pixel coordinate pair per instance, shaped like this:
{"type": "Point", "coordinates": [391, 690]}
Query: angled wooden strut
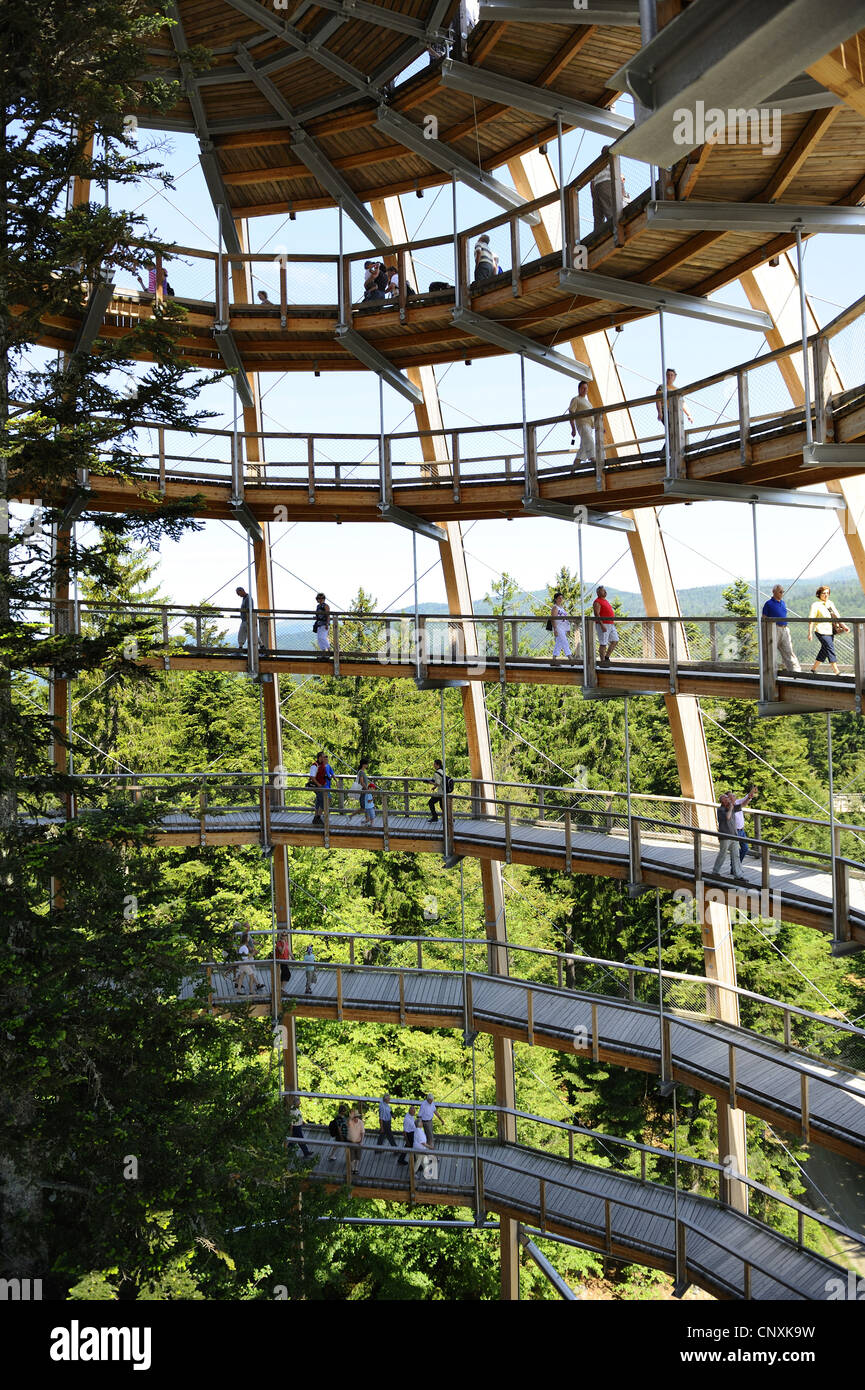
{"type": "Point", "coordinates": [533, 176]}
{"type": "Point", "coordinates": [388, 213]}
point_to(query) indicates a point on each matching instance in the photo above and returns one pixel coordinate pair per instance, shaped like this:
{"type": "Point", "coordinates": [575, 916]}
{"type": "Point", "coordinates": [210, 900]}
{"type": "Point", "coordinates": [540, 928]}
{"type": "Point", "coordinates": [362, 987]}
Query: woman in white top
{"type": "Point", "coordinates": [560, 623]}
{"type": "Point", "coordinates": [825, 620]}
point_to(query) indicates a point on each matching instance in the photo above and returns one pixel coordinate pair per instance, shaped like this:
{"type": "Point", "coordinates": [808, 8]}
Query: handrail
{"type": "Point", "coordinates": [650, 1150]}
{"type": "Point", "coordinates": [566, 957]}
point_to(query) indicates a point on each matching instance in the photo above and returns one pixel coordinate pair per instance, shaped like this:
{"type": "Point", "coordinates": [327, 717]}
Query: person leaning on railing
{"type": "Point", "coordinates": [825, 620]}
{"type": "Point", "coordinates": [776, 609]}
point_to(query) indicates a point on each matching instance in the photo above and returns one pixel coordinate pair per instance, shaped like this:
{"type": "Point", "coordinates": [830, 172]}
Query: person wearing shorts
{"type": "Point", "coordinates": [608, 637]}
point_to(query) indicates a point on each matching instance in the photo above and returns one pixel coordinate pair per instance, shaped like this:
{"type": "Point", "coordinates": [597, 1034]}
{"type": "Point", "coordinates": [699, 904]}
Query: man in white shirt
{"type": "Point", "coordinates": [420, 1146]}
{"type": "Point", "coordinates": [428, 1116]}
{"type": "Point", "coordinates": [577, 409]}
{"type": "Point", "coordinates": [409, 1125]}
{"type": "Point", "coordinates": [739, 804]}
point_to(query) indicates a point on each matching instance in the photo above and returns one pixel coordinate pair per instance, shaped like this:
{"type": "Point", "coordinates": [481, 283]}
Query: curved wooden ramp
{"type": "Point", "coordinates": [810, 1096]}
{"type": "Point", "coordinates": [800, 893]}
{"type": "Point", "coordinates": [728, 1254]}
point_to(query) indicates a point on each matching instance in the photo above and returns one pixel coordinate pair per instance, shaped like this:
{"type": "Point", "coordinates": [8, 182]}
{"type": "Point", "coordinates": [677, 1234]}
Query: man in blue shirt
{"type": "Point", "coordinates": [385, 1134]}
{"type": "Point", "coordinates": [776, 608]}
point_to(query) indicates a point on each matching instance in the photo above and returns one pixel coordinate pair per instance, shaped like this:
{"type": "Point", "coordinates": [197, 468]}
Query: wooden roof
{"type": "Point", "coordinates": [253, 140]}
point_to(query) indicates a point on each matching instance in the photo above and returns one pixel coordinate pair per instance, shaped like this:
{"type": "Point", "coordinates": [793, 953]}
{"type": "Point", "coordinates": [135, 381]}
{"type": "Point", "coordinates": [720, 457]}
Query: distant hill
{"type": "Point", "coordinates": [706, 599]}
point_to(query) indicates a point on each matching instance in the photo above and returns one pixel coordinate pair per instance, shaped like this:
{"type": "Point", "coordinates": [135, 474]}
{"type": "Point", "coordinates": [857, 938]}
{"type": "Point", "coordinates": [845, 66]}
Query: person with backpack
{"type": "Point", "coordinates": [321, 775]}
{"type": "Point", "coordinates": [443, 787]}
{"type": "Point", "coordinates": [321, 624]}
{"type": "Point", "coordinates": [338, 1130]}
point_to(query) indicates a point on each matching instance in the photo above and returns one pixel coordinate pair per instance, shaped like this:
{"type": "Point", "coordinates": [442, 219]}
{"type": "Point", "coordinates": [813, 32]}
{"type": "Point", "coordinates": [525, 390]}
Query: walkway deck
{"type": "Point", "coordinates": [730, 1255]}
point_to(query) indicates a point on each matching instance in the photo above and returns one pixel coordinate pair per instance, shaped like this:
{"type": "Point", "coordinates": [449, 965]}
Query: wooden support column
{"type": "Point", "coordinates": [388, 213]}
{"type": "Point", "coordinates": [533, 177]}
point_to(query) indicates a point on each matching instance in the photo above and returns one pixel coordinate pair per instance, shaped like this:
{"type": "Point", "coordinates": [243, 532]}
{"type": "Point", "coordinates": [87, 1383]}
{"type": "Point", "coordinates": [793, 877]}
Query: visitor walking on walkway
{"type": "Point", "coordinates": [728, 842]}
{"type": "Point", "coordinates": [560, 624]}
{"type": "Point", "coordinates": [356, 1132]}
{"type": "Point", "coordinates": [582, 424]}
{"type": "Point", "coordinates": [605, 622]}
{"type": "Point", "coordinates": [825, 620]}
{"type": "Point", "coordinates": [409, 1124]}
{"type": "Point", "coordinates": [438, 781]}
{"type": "Point", "coordinates": [428, 1115]}
{"type": "Point", "coordinates": [309, 967]}
{"type": "Point", "coordinates": [421, 1141]}
{"type": "Point", "coordinates": [321, 624]}
{"type": "Point", "coordinates": [245, 617]}
{"type": "Point", "coordinates": [321, 775]}
{"type": "Point", "coordinates": [739, 804]}
{"type": "Point", "coordinates": [295, 1119]}
{"type": "Point", "coordinates": [776, 609]}
{"type": "Point", "coordinates": [385, 1133]}
{"type": "Point", "coordinates": [338, 1130]}
{"type": "Point", "coordinates": [246, 969]}
{"type": "Point", "coordinates": [283, 955]}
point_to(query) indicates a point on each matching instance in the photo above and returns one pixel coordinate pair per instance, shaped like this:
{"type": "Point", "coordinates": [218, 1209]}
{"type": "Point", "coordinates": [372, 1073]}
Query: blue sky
{"type": "Point", "coordinates": [707, 543]}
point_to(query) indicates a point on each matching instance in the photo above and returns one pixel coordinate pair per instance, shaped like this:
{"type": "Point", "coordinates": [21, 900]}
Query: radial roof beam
{"type": "Point", "coordinates": [492, 86]}
{"type": "Point", "coordinates": [313, 158]}
{"type": "Point", "coordinates": [755, 217]}
{"type": "Point", "coordinates": [723, 57]}
{"type": "Point", "coordinates": [310, 48]}
{"type": "Point", "coordinates": [375, 14]}
{"type": "Point", "coordinates": [741, 492]}
{"type": "Point", "coordinates": [444, 157]}
{"type": "Point", "coordinates": [653, 297]}
{"type": "Point", "coordinates": [621, 12]}
{"type": "Point", "coordinates": [224, 339]}
{"type": "Point", "coordinates": [493, 332]}
{"type": "Point", "coordinates": [377, 362]}
{"type": "Point", "coordinates": [207, 155]}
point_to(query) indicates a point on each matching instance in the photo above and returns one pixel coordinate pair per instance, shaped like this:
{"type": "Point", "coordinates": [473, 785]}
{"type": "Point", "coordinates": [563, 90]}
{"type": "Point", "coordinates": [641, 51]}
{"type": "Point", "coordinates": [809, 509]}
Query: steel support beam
{"type": "Point", "coordinates": [653, 297]}
{"type": "Point", "coordinates": [411, 522]}
{"type": "Point", "coordinates": [625, 13]}
{"type": "Point", "coordinates": [224, 339]}
{"type": "Point", "coordinates": [839, 456]}
{"type": "Point", "coordinates": [741, 492]}
{"type": "Point", "coordinates": [562, 1288]}
{"type": "Point", "coordinates": [755, 217]}
{"type": "Point", "coordinates": [377, 362]}
{"type": "Point", "coordinates": [607, 521]}
{"type": "Point", "coordinates": [436, 152]}
{"type": "Point", "coordinates": [802, 94]}
{"type": "Point", "coordinates": [375, 14]}
{"type": "Point", "coordinates": [492, 86]}
{"type": "Point", "coordinates": [311, 48]}
{"type": "Point", "coordinates": [100, 297]}
{"type": "Point", "coordinates": [724, 57]}
{"type": "Point", "coordinates": [493, 332]}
